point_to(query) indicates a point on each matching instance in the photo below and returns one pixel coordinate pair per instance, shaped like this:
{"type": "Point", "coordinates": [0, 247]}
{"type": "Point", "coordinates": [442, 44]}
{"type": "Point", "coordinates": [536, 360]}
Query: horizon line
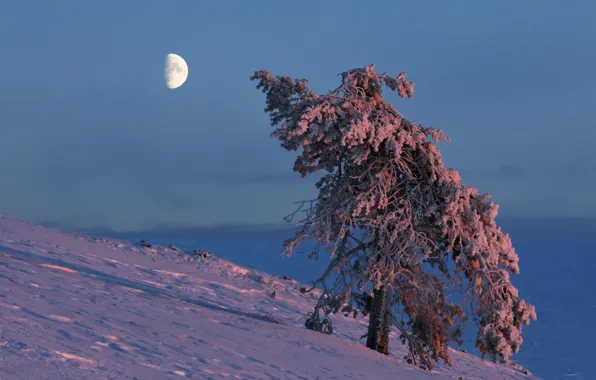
{"type": "Point", "coordinates": [515, 222]}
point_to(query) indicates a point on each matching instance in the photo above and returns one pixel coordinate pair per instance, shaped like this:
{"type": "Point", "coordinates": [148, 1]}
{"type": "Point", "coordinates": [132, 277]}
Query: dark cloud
{"type": "Point", "coordinates": [274, 177]}
{"type": "Point", "coordinates": [518, 227]}
{"type": "Point", "coordinates": [501, 172]}
{"type": "Point", "coordinates": [289, 176]}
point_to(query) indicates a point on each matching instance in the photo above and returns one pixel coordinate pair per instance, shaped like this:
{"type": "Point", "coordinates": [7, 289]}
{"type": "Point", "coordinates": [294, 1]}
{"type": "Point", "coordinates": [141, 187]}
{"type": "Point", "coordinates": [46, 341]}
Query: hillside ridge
{"type": "Point", "coordinates": [74, 306]}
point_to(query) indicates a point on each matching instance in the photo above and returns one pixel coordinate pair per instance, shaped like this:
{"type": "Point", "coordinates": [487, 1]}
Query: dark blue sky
{"type": "Point", "coordinates": [90, 135]}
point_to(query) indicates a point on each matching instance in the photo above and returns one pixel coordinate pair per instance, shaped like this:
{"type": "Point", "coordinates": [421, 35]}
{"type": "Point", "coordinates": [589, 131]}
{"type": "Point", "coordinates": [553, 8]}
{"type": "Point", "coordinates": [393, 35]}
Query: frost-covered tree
{"type": "Point", "coordinates": [391, 216]}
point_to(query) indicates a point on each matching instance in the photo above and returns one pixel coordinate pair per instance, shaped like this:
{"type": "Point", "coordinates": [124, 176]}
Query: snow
{"type": "Point", "coordinates": [78, 307]}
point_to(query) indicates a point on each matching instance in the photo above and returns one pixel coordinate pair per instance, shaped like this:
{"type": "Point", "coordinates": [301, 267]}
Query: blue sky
{"type": "Point", "coordinates": [90, 136]}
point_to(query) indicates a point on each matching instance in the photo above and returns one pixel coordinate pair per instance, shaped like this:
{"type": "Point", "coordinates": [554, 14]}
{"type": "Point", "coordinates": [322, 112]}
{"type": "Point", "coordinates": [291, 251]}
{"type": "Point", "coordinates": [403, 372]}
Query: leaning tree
{"type": "Point", "coordinates": [400, 228]}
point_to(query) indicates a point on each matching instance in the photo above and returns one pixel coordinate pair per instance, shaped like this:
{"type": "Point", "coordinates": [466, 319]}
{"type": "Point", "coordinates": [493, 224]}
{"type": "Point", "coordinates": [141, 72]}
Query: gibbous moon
{"type": "Point", "coordinates": [176, 71]}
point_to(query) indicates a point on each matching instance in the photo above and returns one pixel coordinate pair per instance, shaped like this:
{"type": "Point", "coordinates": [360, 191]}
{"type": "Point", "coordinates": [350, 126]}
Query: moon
{"type": "Point", "coordinates": [176, 71]}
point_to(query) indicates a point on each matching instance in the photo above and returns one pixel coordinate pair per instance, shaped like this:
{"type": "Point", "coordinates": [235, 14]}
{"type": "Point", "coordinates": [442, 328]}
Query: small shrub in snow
{"type": "Point", "coordinates": [317, 322]}
{"type": "Point", "coordinates": [202, 254]}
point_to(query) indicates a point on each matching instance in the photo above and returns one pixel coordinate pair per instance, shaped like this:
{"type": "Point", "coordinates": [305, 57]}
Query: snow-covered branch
{"type": "Point", "coordinates": [385, 187]}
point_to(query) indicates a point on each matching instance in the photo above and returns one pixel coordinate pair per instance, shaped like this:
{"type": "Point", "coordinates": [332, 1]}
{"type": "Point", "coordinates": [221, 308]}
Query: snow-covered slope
{"type": "Point", "coordinates": [76, 307]}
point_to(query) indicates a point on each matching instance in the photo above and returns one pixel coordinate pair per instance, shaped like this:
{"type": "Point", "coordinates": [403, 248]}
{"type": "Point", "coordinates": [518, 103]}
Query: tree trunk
{"type": "Point", "coordinates": [379, 322]}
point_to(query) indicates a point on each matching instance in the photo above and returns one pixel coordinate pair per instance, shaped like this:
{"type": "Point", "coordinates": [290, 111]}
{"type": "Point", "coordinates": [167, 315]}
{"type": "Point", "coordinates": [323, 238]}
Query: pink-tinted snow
{"type": "Point", "coordinates": [75, 307]}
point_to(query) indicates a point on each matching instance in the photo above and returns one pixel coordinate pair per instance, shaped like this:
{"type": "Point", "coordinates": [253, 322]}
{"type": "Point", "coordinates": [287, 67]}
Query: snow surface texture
{"type": "Point", "coordinates": [77, 307]}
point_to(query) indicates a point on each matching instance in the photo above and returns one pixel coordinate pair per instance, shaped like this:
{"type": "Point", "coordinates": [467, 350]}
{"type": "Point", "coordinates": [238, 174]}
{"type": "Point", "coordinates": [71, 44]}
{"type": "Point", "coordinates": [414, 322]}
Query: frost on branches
{"type": "Point", "coordinates": [387, 211]}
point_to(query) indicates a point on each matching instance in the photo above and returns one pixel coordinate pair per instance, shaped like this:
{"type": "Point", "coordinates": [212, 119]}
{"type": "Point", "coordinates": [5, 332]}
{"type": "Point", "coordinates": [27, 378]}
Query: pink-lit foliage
{"type": "Point", "coordinates": [388, 209]}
